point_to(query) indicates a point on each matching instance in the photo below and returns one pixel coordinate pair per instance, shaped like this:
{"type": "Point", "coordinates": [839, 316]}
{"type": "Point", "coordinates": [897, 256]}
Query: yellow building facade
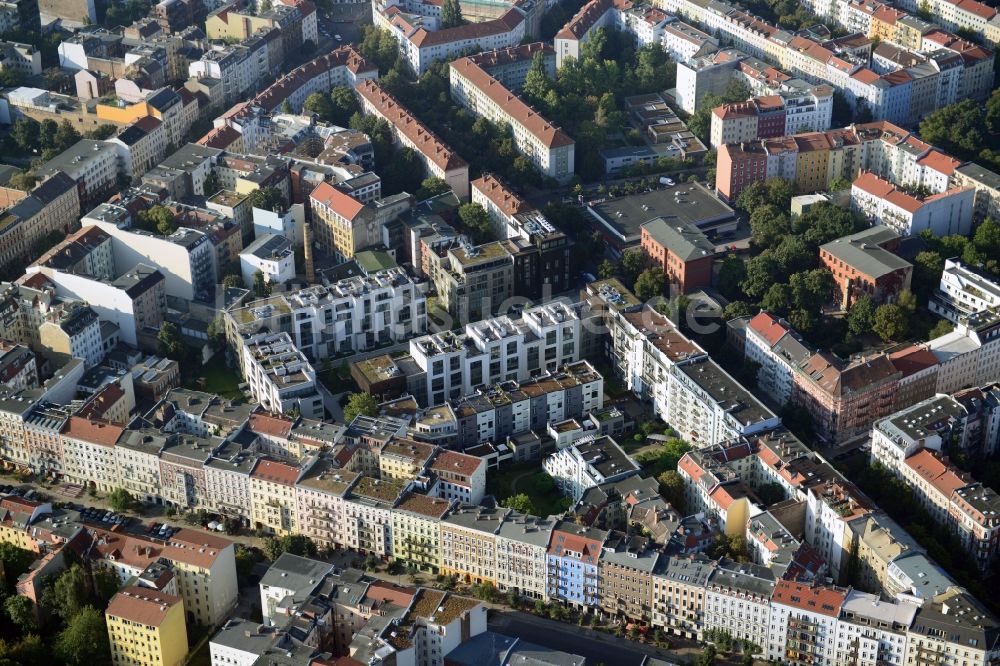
{"type": "Point", "coordinates": [146, 628]}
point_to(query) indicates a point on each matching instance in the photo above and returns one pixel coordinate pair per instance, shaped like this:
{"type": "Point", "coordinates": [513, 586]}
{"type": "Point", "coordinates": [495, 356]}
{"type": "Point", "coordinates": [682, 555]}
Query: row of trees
{"type": "Point", "coordinates": [71, 607]}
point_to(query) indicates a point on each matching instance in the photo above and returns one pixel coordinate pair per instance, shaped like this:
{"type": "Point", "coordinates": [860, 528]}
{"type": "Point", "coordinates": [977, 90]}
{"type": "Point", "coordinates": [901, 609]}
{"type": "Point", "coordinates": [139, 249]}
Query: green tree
{"type": "Point", "coordinates": [735, 310]}
{"type": "Point", "coordinates": [321, 105]}
{"type": "Point", "coordinates": [451, 14]}
{"type": "Point", "coordinates": [84, 641]}
{"type": "Point", "coordinates": [761, 272]}
{"type": "Point", "coordinates": [344, 105]}
{"type": "Point", "coordinates": [26, 134]}
{"type": "Point", "coordinates": [606, 269]}
{"type": "Point", "coordinates": [14, 561]}
{"type": "Point", "coordinates": [476, 221]}
{"type": "Point", "coordinates": [778, 299]}
{"type": "Point", "coordinates": [261, 287]}
{"type": "Point", "coordinates": [120, 499]}
{"type": "Point", "coordinates": [170, 343]}
{"type": "Point", "coordinates": [294, 544]}
{"type": "Point", "coordinates": [379, 47]}
{"type": "Point", "coordinates": [21, 612]}
{"type": "Point", "coordinates": [812, 289]}
{"type": "Point", "coordinates": [632, 263]}
{"type": "Point", "coordinates": [23, 180]}
{"type": "Point", "coordinates": [537, 83]}
{"type": "Point", "coordinates": [232, 281]}
{"type": "Point", "coordinates": [360, 404]}
{"type": "Point", "coordinates": [520, 503]}
{"type": "Point", "coordinates": [106, 585]}
{"type": "Point", "coordinates": [71, 592]}
{"type": "Point", "coordinates": [956, 128]}
{"type": "Point", "coordinates": [431, 187]}
{"type": "Point", "coordinates": [861, 315]}
{"type": "Point", "coordinates": [768, 226]}
{"type": "Point", "coordinates": [66, 136]}
{"type": "Point", "coordinates": [101, 132]}
{"type": "Point", "coordinates": [267, 198]}
{"type": "Point", "coordinates": [650, 284]}
{"type": "Point", "coordinates": [752, 197]}
{"type": "Point", "coordinates": [731, 274]}
{"type": "Point", "coordinates": [672, 488]}
{"type": "Point", "coordinates": [890, 322]}
{"type": "Point", "coordinates": [927, 268]}
{"type": "Point", "coordinates": [11, 78]}
{"type": "Point", "coordinates": [942, 327]}
{"type": "Point", "coordinates": [157, 219]}
{"type": "Point", "coordinates": [771, 493]}
{"type": "Point", "coordinates": [794, 255]}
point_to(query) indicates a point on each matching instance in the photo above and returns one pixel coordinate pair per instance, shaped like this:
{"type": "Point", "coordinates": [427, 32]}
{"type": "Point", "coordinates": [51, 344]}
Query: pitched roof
{"type": "Point", "coordinates": [342, 204]}
{"type": "Point", "coordinates": [822, 600]}
{"type": "Point", "coordinates": [425, 141]}
{"type": "Point", "coordinates": [142, 605]}
{"type": "Point", "coordinates": [275, 472]}
{"type": "Point", "coordinates": [512, 105]}
{"type": "Point", "coordinates": [502, 196]}
{"type": "Point", "coordinates": [937, 472]}
{"type": "Point", "coordinates": [94, 431]}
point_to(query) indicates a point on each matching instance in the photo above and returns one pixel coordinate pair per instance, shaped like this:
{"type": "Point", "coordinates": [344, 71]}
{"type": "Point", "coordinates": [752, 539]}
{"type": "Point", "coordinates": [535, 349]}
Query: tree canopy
{"type": "Point", "coordinates": [360, 404]}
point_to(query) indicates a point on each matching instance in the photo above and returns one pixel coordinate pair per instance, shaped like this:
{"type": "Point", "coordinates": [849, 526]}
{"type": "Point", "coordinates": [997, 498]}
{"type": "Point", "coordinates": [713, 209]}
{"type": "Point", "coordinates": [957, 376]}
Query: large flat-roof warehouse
{"type": "Point", "coordinates": [619, 219]}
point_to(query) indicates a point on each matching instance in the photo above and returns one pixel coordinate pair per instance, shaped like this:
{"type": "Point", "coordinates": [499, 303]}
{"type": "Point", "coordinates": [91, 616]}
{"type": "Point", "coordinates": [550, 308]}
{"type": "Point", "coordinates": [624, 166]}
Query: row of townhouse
{"type": "Point", "coordinates": [913, 443]}
{"type": "Point", "coordinates": [350, 618]}
{"type": "Point", "coordinates": [516, 414]}
{"type": "Point", "coordinates": [351, 315]}
{"type": "Point", "coordinates": [686, 388]}
{"type": "Point", "coordinates": [901, 87]}
{"type": "Point", "coordinates": [438, 158]}
{"type": "Point", "coordinates": [812, 160]}
{"type": "Point", "coordinates": [784, 113]}
{"type": "Point", "coordinates": [423, 40]}
{"type": "Point", "coordinates": [547, 147]}
{"type": "Point", "coordinates": [846, 398]}
{"type": "Point", "coordinates": [899, 22]}
{"type": "Point", "coordinates": [341, 67]}
{"type": "Point", "coordinates": [52, 206]}
{"type": "Point", "coordinates": [194, 566]}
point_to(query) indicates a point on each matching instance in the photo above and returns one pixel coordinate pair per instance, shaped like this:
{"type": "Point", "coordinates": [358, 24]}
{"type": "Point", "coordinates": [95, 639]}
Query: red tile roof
{"type": "Point", "coordinates": [503, 197]}
{"type": "Point", "coordinates": [428, 143]}
{"type": "Point", "coordinates": [92, 430]}
{"type": "Point", "coordinates": [913, 359]}
{"type": "Point", "coordinates": [942, 476]}
{"type": "Point", "coordinates": [515, 108]}
{"type": "Point", "coordinates": [142, 605]}
{"type": "Point", "coordinates": [768, 327]}
{"type": "Point", "coordinates": [270, 424]}
{"type": "Point", "coordinates": [821, 600]}
{"type": "Point", "coordinates": [344, 205]}
{"type": "Point", "coordinates": [275, 472]}
{"type": "Point", "coordinates": [456, 463]}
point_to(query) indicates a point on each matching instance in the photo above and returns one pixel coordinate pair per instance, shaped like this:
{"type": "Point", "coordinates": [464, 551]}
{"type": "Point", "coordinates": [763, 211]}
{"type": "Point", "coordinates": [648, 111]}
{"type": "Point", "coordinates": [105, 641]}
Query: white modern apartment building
{"type": "Point", "coordinates": [279, 376]}
{"type": "Point", "coordinates": [354, 314]}
{"type": "Point", "coordinates": [270, 255]}
{"type": "Point", "coordinates": [963, 291]}
{"type": "Point", "coordinates": [588, 463]}
{"type": "Point", "coordinates": [186, 258]}
{"type": "Point", "coordinates": [737, 599]}
{"type": "Point", "coordinates": [931, 424]}
{"type": "Point", "coordinates": [778, 350]}
{"type": "Point", "coordinates": [707, 406]}
{"type": "Point", "coordinates": [942, 214]}
{"type": "Point", "coordinates": [422, 41]}
{"type": "Point", "coordinates": [548, 148]}
{"type": "Point", "coordinates": [494, 350]}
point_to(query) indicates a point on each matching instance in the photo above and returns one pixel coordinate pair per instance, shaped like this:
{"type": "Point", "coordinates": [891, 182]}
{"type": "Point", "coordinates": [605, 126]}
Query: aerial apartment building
{"type": "Point", "coordinates": [548, 148]}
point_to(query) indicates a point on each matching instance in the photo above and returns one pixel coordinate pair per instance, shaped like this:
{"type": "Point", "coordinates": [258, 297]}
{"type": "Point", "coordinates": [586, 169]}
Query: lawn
{"type": "Point", "coordinates": [533, 482]}
{"type": "Point", "coordinates": [219, 379]}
